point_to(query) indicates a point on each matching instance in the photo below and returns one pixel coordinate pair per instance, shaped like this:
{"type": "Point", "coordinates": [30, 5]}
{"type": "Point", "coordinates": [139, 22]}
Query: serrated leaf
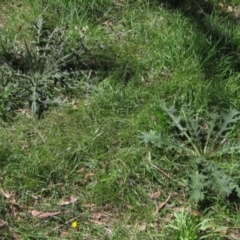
{"type": "Point", "coordinates": [229, 117]}
{"type": "Point", "coordinates": [197, 182]}
{"type": "Point", "coordinates": [57, 75]}
{"type": "Point", "coordinates": [153, 137]}
{"type": "Point", "coordinates": [223, 186]}
{"type": "Point", "coordinates": [197, 195]}
{"type": "Point", "coordinates": [147, 136]}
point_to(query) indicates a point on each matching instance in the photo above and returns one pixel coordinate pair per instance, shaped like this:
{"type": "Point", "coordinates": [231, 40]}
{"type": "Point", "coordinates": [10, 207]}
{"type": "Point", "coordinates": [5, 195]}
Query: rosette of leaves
{"type": "Point", "coordinates": [44, 68]}
{"type": "Point", "coordinates": [201, 140]}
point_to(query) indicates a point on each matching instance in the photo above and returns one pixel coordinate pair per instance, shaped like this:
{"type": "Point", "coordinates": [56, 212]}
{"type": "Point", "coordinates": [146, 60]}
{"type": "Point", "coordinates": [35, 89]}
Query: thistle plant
{"type": "Point", "coordinates": [45, 67]}
{"type": "Point", "coordinates": [201, 140]}
{"type": "Point", "coordinates": [37, 69]}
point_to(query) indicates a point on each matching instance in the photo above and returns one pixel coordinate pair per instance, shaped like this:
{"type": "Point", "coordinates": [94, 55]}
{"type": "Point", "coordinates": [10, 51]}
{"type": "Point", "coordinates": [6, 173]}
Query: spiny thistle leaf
{"type": "Point", "coordinates": [157, 139]}
{"type": "Point", "coordinates": [229, 118]}
{"type": "Point", "coordinates": [197, 185]}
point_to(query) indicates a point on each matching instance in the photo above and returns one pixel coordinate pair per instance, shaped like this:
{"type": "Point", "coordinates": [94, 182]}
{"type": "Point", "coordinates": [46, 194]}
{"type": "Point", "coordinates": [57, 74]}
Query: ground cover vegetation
{"type": "Point", "coordinates": [119, 119]}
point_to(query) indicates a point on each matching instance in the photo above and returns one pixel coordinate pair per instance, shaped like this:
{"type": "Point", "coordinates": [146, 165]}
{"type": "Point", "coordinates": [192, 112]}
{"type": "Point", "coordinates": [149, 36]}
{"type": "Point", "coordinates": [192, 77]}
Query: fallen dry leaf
{"type": "Point", "coordinates": [74, 104]}
{"type": "Point", "coordinates": [96, 216]}
{"type": "Point", "coordinates": [81, 170]}
{"type": "Point", "coordinates": [192, 212]}
{"type": "Point", "coordinates": [87, 175]}
{"type": "Point", "coordinates": [229, 9]}
{"type": "Point", "coordinates": [226, 8]}
{"type": "Point", "coordinates": [67, 200]}
{"type": "Point", "coordinates": [15, 236]}
{"type": "Point", "coordinates": [63, 233]}
{"type": "Point", "coordinates": [89, 205]}
{"type": "Point", "coordinates": [154, 195]}
{"type": "Point", "coordinates": [11, 201]}
{"type": "Point", "coordinates": [25, 112]}
{"type": "Point", "coordinates": [38, 214]}
{"type": "Point", "coordinates": [7, 194]}
{"type": "Point", "coordinates": [140, 227]}
{"type": "Point", "coordinates": [3, 224]}
{"type": "Point", "coordinates": [235, 235]}
{"type": "Point", "coordinates": [222, 230]}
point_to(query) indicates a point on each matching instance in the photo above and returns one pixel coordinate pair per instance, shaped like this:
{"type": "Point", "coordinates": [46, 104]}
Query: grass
{"type": "Point", "coordinates": [90, 150]}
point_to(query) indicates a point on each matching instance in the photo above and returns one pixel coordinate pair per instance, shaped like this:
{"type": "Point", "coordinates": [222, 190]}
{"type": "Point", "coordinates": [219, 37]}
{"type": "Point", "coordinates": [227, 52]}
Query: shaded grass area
{"type": "Point", "coordinates": [90, 149]}
{"type": "Point", "coordinates": [217, 22]}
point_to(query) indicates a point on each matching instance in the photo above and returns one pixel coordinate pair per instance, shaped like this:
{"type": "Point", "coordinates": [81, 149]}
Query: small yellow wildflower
{"type": "Point", "coordinates": [74, 224]}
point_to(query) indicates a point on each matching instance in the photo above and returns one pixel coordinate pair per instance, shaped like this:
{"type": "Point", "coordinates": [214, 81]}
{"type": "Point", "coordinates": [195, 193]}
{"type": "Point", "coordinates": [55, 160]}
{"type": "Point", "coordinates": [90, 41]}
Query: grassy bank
{"type": "Point", "coordinates": [119, 119]}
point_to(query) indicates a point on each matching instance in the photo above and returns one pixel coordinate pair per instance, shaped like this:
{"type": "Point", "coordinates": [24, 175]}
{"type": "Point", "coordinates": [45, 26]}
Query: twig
{"type": "Point", "coordinates": [161, 205]}
{"type": "Point", "coordinates": [161, 171]}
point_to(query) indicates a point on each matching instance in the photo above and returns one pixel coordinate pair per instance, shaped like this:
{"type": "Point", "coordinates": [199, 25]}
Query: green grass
{"type": "Point", "coordinates": [89, 148]}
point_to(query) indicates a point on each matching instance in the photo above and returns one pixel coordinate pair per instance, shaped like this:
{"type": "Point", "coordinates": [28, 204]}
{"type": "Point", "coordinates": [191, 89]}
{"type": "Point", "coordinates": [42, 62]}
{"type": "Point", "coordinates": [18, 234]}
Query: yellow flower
{"type": "Point", "coordinates": [74, 224]}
